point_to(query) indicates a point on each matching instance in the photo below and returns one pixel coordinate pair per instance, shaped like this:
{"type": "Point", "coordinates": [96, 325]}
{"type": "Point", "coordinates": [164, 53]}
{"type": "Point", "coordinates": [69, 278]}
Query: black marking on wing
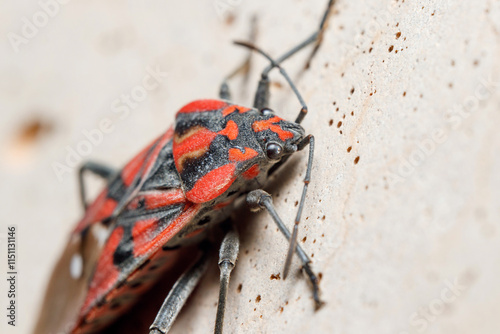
{"type": "Point", "coordinates": [204, 220]}
{"type": "Point", "coordinates": [169, 248]}
{"type": "Point", "coordinates": [165, 176]}
{"type": "Point", "coordinates": [124, 253]}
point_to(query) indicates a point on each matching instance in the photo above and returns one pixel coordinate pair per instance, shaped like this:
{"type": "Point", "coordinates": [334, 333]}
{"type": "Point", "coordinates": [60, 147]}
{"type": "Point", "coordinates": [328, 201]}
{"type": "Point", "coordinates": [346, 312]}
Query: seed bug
{"type": "Point", "coordinates": [169, 195]}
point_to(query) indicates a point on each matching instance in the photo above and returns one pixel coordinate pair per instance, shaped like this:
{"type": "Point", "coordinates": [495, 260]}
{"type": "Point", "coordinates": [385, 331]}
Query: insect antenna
{"type": "Point", "coordinates": [276, 64]}
{"type": "Point", "coordinates": [262, 95]}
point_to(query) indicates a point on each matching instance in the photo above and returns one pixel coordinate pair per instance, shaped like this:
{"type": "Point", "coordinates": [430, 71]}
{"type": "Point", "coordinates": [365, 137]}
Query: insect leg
{"type": "Point", "coordinates": [259, 199]}
{"type": "Point", "coordinates": [319, 37]}
{"type": "Point", "coordinates": [228, 254]}
{"type": "Point", "coordinates": [293, 240]}
{"type": "Point", "coordinates": [96, 168]}
{"type": "Point", "coordinates": [224, 91]}
{"type": "Point", "coordinates": [264, 82]}
{"type": "Point", "coordinates": [315, 37]}
{"type": "Point", "coordinates": [177, 297]}
{"type": "Point", "coordinates": [261, 99]}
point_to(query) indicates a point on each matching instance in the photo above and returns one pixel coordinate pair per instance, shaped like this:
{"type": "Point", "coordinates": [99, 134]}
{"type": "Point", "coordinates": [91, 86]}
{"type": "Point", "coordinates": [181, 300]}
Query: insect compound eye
{"type": "Point", "coordinates": [274, 151]}
{"type": "Point", "coordinates": [267, 112]}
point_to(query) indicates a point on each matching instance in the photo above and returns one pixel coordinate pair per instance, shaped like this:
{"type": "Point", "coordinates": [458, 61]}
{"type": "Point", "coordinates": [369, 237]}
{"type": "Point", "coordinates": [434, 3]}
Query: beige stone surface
{"type": "Point", "coordinates": [407, 239]}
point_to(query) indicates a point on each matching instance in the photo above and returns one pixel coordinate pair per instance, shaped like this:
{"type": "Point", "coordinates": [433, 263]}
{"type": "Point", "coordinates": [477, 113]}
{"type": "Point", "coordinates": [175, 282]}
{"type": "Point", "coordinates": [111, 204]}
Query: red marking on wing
{"type": "Point", "coordinates": [231, 130]}
{"type": "Point", "coordinates": [145, 159]}
{"type": "Point", "coordinates": [100, 209]}
{"type": "Point", "coordinates": [235, 155]}
{"type": "Point", "coordinates": [142, 233]}
{"type": "Point", "coordinates": [252, 172]}
{"type": "Point", "coordinates": [103, 207]}
{"type": "Point", "coordinates": [259, 126]}
{"type": "Point", "coordinates": [158, 199]}
{"type": "Point", "coordinates": [153, 156]}
{"type": "Point", "coordinates": [131, 169]}
{"type": "Point", "coordinates": [212, 184]}
{"type": "Point", "coordinates": [106, 274]}
{"type": "Point", "coordinates": [193, 146]}
{"type": "Point", "coordinates": [233, 108]}
{"type": "Point", "coordinates": [152, 242]}
{"type": "Point", "coordinates": [202, 105]}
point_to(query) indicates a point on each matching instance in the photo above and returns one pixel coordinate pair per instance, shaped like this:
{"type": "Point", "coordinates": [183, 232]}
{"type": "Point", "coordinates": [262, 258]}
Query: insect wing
{"type": "Point", "coordinates": [66, 291]}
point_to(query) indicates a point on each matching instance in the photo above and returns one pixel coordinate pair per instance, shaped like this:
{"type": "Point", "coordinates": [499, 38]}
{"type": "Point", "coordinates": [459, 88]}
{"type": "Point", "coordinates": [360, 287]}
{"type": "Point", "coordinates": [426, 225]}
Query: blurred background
{"type": "Point", "coordinates": [403, 210]}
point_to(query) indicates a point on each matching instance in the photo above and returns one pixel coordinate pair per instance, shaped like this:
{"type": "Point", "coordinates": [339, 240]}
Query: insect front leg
{"type": "Point", "coordinates": [259, 199]}
{"type": "Point", "coordinates": [261, 99]}
{"type": "Point", "coordinates": [228, 254]}
{"type": "Point", "coordinates": [96, 168]}
{"type": "Point", "coordinates": [224, 91]}
{"type": "Point", "coordinates": [178, 296]}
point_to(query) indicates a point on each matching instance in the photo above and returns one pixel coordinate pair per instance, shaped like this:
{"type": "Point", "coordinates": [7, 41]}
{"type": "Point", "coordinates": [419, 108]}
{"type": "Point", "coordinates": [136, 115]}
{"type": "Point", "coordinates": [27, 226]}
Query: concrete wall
{"type": "Point", "coordinates": [403, 211]}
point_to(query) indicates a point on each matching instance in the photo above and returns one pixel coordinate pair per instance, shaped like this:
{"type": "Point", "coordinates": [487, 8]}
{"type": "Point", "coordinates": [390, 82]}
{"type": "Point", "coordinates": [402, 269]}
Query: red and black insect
{"type": "Point", "coordinates": [170, 195]}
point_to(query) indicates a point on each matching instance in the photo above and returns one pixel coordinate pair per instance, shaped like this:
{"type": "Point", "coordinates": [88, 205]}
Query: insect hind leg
{"type": "Point", "coordinates": [178, 296]}
{"type": "Point", "coordinates": [96, 168]}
